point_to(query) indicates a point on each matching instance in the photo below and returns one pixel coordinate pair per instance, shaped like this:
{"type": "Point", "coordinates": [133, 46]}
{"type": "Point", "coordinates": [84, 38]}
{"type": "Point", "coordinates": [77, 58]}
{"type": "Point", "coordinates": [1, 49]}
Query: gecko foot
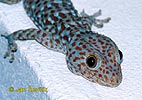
{"type": "Point", "coordinates": [99, 23]}
{"type": "Point", "coordinates": [12, 48]}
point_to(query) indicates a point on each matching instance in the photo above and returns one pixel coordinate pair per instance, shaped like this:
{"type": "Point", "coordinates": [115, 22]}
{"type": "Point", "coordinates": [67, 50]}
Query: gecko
{"type": "Point", "coordinates": [60, 27]}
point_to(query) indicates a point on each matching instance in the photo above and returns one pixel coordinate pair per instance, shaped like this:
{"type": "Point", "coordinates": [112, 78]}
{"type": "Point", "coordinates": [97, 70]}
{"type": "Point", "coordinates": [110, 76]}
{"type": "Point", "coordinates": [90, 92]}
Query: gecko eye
{"type": "Point", "coordinates": [91, 61]}
{"type": "Point", "coordinates": [121, 54]}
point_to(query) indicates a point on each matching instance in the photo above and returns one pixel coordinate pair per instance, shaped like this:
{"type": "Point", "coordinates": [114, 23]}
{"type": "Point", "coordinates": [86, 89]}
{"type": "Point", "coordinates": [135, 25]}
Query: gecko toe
{"type": "Point", "coordinates": [11, 58]}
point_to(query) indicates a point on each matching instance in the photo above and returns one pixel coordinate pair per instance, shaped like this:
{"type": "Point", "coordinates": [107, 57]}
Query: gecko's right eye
{"type": "Point", "coordinates": [91, 61]}
{"type": "Point", "coordinates": [120, 54]}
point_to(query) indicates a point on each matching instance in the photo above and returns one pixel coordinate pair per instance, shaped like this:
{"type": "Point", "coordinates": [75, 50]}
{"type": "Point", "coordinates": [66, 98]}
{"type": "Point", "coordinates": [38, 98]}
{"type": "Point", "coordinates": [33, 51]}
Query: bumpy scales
{"type": "Point", "coordinates": [88, 54]}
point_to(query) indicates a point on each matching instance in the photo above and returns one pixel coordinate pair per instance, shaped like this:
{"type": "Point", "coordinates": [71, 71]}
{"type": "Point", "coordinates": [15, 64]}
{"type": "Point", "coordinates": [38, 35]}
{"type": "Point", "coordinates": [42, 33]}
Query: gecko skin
{"type": "Point", "coordinates": [59, 27]}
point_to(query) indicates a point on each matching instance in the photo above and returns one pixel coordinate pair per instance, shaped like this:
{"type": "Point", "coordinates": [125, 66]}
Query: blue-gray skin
{"type": "Point", "coordinates": [88, 54]}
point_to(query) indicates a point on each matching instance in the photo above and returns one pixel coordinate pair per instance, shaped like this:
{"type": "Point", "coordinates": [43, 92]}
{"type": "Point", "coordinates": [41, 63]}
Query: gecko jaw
{"type": "Point", "coordinates": [113, 82]}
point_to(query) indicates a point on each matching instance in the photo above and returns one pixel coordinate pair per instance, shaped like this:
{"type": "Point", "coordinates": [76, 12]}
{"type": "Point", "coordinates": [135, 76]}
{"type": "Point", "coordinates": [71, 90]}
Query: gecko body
{"type": "Point", "coordinates": [88, 54]}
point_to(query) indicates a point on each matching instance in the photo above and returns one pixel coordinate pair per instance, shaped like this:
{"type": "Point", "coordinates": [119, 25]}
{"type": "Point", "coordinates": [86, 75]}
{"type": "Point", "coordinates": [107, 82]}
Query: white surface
{"type": "Point", "coordinates": [50, 67]}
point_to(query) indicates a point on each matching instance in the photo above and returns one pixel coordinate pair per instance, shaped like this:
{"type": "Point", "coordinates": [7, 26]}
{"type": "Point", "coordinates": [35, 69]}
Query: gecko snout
{"type": "Point", "coordinates": [113, 81]}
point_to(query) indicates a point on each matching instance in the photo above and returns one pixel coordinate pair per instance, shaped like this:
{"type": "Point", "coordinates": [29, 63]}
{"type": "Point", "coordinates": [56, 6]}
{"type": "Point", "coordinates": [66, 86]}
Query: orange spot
{"type": "Point", "coordinates": [111, 60]}
{"type": "Point", "coordinates": [54, 18]}
{"type": "Point", "coordinates": [83, 64]}
{"type": "Point", "coordinates": [46, 43]}
{"type": "Point", "coordinates": [88, 77]}
{"type": "Point", "coordinates": [75, 59]}
{"type": "Point", "coordinates": [64, 44]}
{"type": "Point", "coordinates": [114, 64]}
{"type": "Point", "coordinates": [103, 71]}
{"type": "Point", "coordinates": [70, 55]}
{"type": "Point", "coordinates": [48, 22]}
{"type": "Point", "coordinates": [100, 75]}
{"type": "Point", "coordinates": [79, 65]}
{"type": "Point", "coordinates": [66, 38]}
{"type": "Point", "coordinates": [27, 35]}
{"type": "Point", "coordinates": [104, 47]}
{"type": "Point", "coordinates": [109, 54]}
{"type": "Point", "coordinates": [84, 46]}
{"type": "Point", "coordinates": [107, 72]}
{"type": "Point", "coordinates": [44, 35]}
{"type": "Point", "coordinates": [51, 41]}
{"type": "Point", "coordinates": [57, 41]}
{"type": "Point", "coordinates": [51, 46]}
{"type": "Point", "coordinates": [66, 53]}
{"type": "Point", "coordinates": [82, 53]}
{"type": "Point", "coordinates": [106, 78]}
{"type": "Point", "coordinates": [33, 36]}
{"type": "Point", "coordinates": [112, 80]}
{"type": "Point", "coordinates": [94, 43]}
{"type": "Point", "coordinates": [82, 58]}
{"type": "Point", "coordinates": [20, 35]}
{"type": "Point", "coordinates": [113, 74]}
{"type": "Point", "coordinates": [103, 51]}
{"type": "Point", "coordinates": [78, 48]}
{"type": "Point", "coordinates": [84, 72]}
{"type": "Point", "coordinates": [71, 34]}
{"type": "Point", "coordinates": [97, 80]}
{"type": "Point", "coordinates": [63, 26]}
{"type": "Point", "coordinates": [73, 44]}
{"type": "Point", "coordinates": [62, 15]}
{"type": "Point", "coordinates": [78, 35]}
{"type": "Point", "coordinates": [95, 71]}
{"type": "Point", "coordinates": [80, 43]}
{"type": "Point", "coordinates": [38, 32]}
{"type": "Point", "coordinates": [89, 50]}
{"type": "Point", "coordinates": [100, 69]}
{"type": "Point", "coordinates": [100, 41]}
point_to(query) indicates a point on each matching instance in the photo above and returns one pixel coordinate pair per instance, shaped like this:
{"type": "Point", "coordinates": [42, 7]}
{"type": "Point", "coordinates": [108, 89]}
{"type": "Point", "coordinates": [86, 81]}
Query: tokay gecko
{"type": "Point", "coordinates": [93, 56]}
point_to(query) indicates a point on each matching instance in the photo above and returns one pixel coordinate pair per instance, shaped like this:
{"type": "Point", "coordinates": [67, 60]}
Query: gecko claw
{"type": "Point", "coordinates": [9, 54]}
{"type": "Point", "coordinates": [12, 58]}
{"type": "Point", "coordinates": [6, 55]}
{"type": "Point", "coordinates": [5, 35]}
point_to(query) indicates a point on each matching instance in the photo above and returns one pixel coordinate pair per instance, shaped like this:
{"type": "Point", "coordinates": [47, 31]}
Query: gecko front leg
{"type": "Point", "coordinates": [28, 34]}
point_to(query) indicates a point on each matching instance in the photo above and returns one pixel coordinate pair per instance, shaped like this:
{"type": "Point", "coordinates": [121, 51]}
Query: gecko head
{"type": "Point", "coordinates": [96, 58]}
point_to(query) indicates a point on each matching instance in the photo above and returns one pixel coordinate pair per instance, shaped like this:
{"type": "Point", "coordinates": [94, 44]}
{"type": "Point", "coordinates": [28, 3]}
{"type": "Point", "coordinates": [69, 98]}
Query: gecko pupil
{"type": "Point", "coordinates": [91, 61]}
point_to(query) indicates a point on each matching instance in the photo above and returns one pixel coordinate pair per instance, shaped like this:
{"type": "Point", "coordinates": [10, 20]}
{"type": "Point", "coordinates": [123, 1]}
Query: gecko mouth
{"type": "Point", "coordinates": [113, 82]}
{"type": "Point", "coordinates": [103, 83]}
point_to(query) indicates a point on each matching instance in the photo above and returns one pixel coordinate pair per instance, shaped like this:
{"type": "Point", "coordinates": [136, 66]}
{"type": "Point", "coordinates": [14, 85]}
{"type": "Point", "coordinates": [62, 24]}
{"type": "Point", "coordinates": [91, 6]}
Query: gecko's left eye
{"type": "Point", "coordinates": [91, 61]}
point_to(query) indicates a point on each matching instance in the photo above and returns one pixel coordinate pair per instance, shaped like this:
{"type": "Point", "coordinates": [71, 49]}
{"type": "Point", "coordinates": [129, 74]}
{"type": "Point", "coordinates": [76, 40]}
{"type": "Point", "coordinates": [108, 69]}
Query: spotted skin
{"type": "Point", "coordinates": [88, 54]}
